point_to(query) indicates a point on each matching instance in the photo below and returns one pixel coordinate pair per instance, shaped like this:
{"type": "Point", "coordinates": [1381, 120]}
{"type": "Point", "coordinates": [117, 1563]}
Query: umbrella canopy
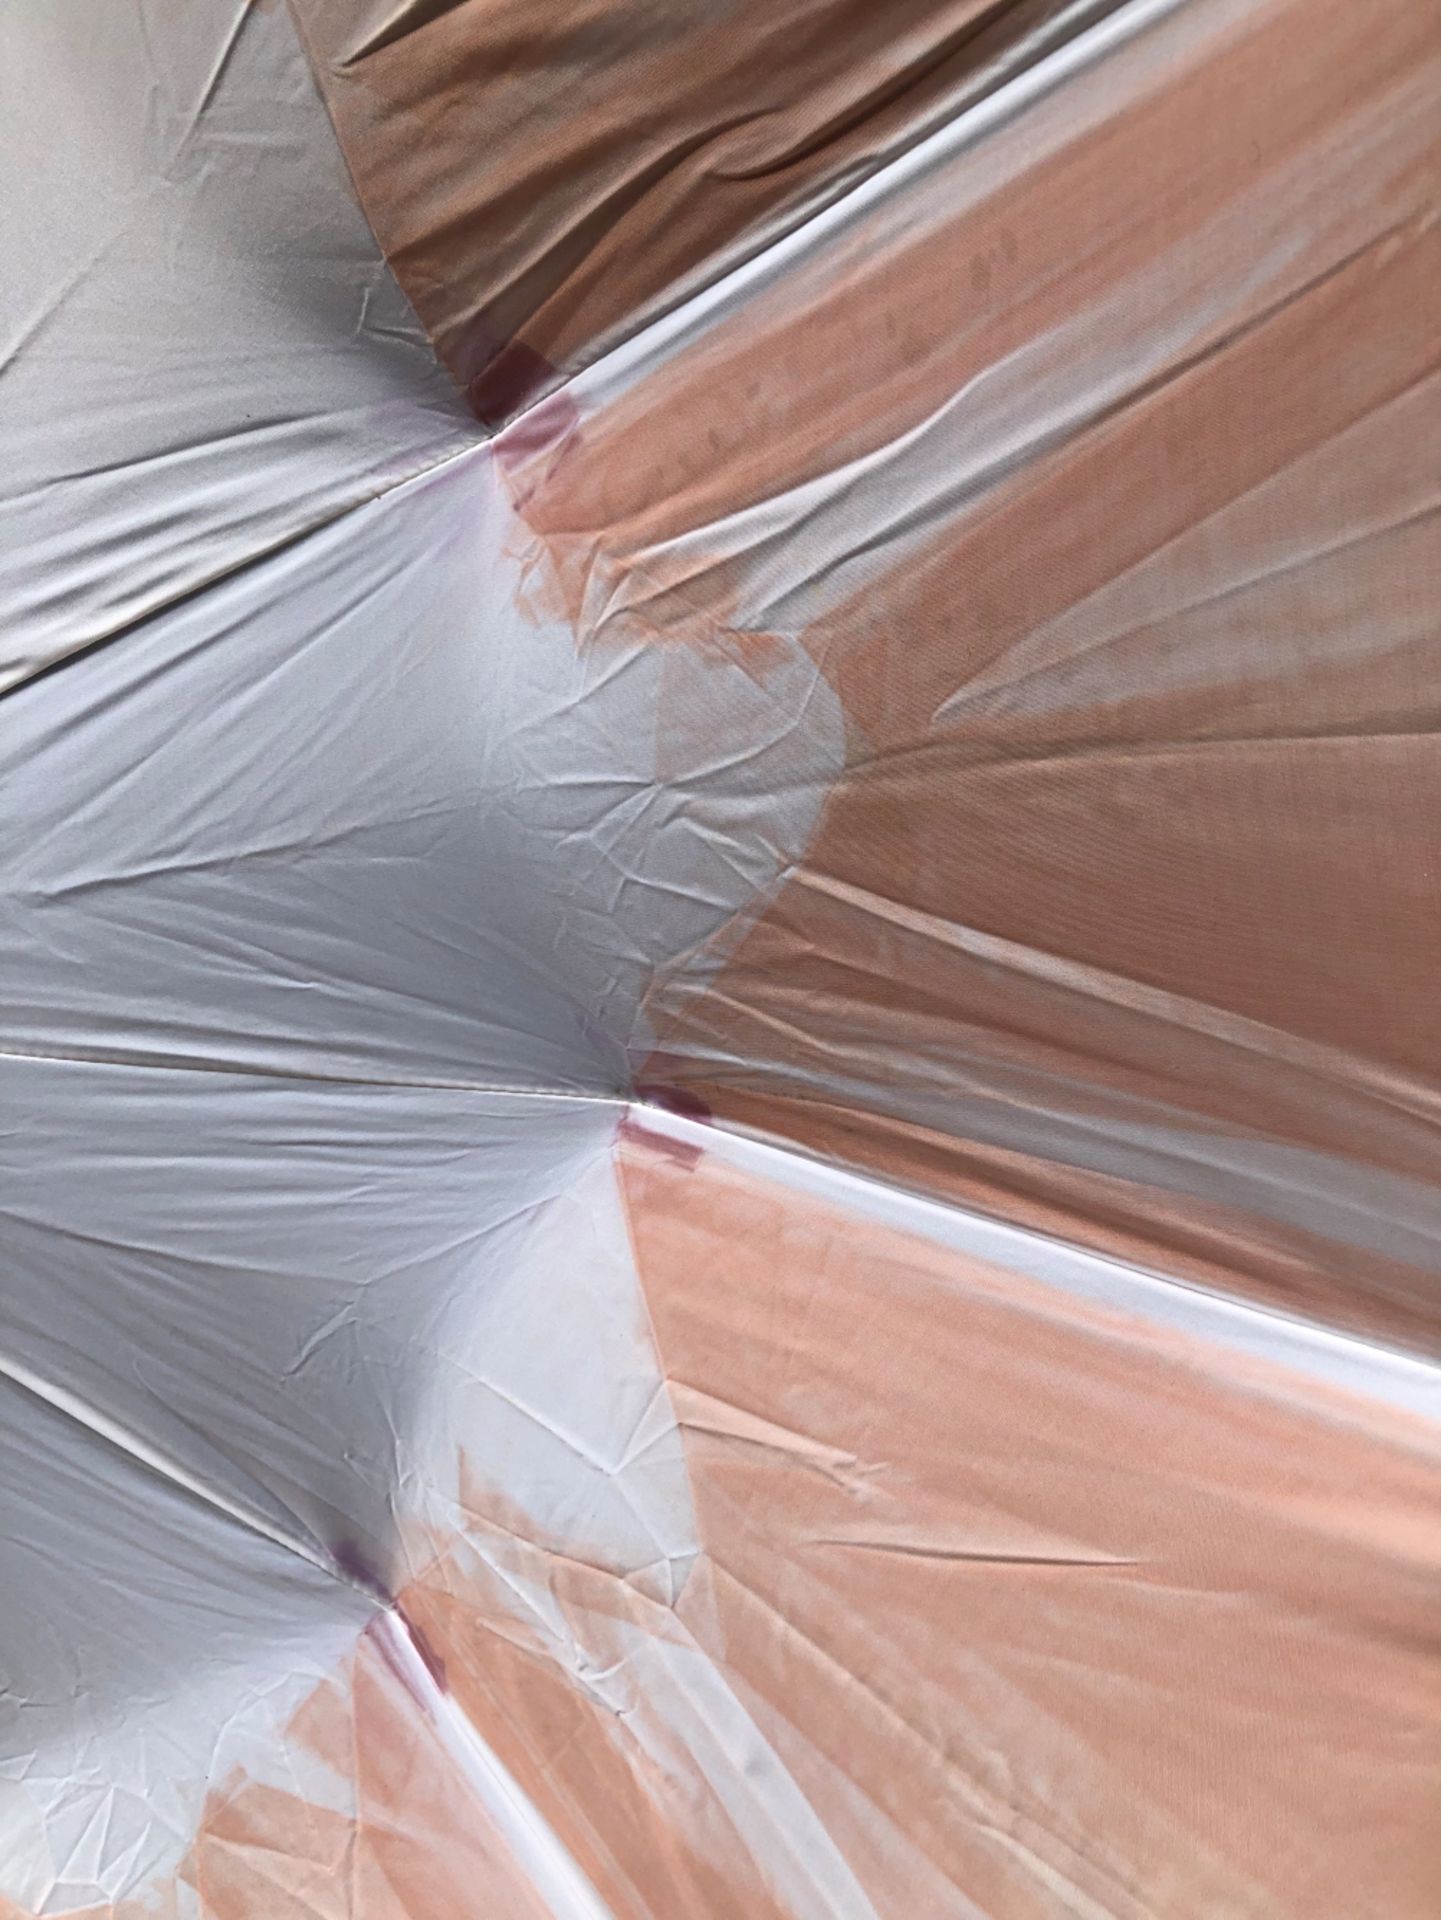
{"type": "Point", "coordinates": [719, 1138]}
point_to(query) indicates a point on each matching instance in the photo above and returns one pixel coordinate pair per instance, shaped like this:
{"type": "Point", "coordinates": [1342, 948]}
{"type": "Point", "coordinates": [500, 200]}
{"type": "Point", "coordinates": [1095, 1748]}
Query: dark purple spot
{"type": "Point", "coordinates": [678, 1100]}
{"type": "Point", "coordinates": [509, 382]}
{"type": "Point", "coordinates": [545, 429]}
{"type": "Point", "coordinates": [352, 1561]}
{"type": "Point", "coordinates": [501, 377]}
{"type": "Point", "coordinates": [661, 1097]}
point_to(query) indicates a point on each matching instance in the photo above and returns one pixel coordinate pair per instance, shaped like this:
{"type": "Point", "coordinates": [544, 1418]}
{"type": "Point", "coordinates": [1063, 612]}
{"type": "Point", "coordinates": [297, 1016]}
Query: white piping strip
{"type": "Point", "coordinates": [659, 337]}
{"type": "Point", "coordinates": [159, 1462]}
{"type": "Point", "coordinates": [152, 1062]}
{"type": "Point", "coordinates": [537, 1847]}
{"type": "Point", "coordinates": [1406, 1382]}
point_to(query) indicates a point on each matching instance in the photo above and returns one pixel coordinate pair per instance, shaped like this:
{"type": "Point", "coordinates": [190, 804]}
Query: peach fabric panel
{"type": "Point", "coordinates": [410, 1840]}
{"type": "Point", "coordinates": [619, 1790]}
{"type": "Point", "coordinates": [1046, 1604]}
{"type": "Point", "coordinates": [1105, 504]}
{"type": "Point", "coordinates": [542, 178]}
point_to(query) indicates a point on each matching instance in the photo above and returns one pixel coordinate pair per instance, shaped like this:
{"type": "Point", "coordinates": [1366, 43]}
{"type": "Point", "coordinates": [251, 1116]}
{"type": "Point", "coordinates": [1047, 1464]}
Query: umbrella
{"type": "Point", "coordinates": [720, 1090]}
